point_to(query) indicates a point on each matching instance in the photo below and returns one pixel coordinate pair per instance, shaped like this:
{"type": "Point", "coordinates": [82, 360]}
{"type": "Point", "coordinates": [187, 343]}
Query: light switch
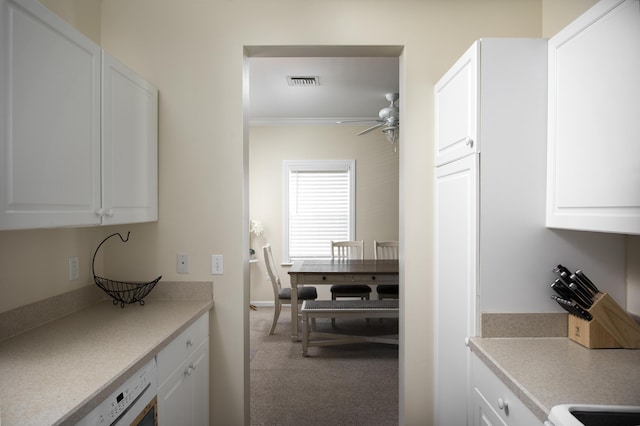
{"type": "Point", "coordinates": [74, 268]}
{"type": "Point", "coordinates": [217, 264]}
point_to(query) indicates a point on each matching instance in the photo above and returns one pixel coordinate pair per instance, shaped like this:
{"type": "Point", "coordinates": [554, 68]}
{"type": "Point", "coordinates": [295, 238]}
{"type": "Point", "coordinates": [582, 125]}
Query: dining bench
{"type": "Point", "coordinates": [312, 309]}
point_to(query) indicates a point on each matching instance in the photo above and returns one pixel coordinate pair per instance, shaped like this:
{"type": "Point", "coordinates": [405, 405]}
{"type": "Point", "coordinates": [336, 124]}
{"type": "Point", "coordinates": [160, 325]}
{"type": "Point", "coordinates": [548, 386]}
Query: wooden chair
{"type": "Point", "coordinates": [344, 250]}
{"type": "Point", "coordinates": [386, 250]}
{"type": "Point", "coordinates": [282, 296]}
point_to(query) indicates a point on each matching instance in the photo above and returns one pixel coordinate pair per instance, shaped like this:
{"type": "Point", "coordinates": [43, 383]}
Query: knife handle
{"type": "Point", "coordinates": [586, 289]}
{"type": "Point", "coordinates": [583, 278]}
{"type": "Point", "coordinates": [561, 289]}
{"type": "Point", "coordinates": [580, 295]}
{"type": "Point", "coordinates": [559, 269]}
{"type": "Point", "coordinates": [573, 308]}
{"type": "Point", "coordinates": [580, 298]}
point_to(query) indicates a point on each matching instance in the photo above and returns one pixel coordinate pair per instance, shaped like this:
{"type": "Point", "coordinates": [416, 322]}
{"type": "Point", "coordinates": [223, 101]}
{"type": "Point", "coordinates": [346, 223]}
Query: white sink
{"type": "Point", "coordinates": [594, 415]}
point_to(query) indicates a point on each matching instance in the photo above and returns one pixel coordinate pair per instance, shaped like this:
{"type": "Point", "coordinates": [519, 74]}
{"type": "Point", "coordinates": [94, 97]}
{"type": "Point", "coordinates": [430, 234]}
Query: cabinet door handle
{"type": "Point", "coordinates": [468, 142]}
{"type": "Point", "coordinates": [100, 212]}
{"type": "Point", "coordinates": [503, 404]}
{"type": "Point", "coordinates": [189, 343]}
{"type": "Point", "coordinates": [189, 369]}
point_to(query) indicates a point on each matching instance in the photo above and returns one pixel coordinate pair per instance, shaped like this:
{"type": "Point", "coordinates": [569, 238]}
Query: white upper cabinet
{"type": "Point", "coordinates": [594, 121]}
{"type": "Point", "coordinates": [49, 119]}
{"type": "Point", "coordinates": [78, 141]}
{"type": "Point", "coordinates": [129, 145]}
{"type": "Point", "coordinates": [456, 106]}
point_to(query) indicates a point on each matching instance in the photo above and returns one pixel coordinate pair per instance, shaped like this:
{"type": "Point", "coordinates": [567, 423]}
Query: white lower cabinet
{"type": "Point", "coordinates": [493, 403]}
{"type": "Point", "coordinates": [183, 377]}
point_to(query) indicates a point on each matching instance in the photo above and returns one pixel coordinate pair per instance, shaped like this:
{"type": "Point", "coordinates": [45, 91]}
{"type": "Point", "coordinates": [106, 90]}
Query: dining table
{"type": "Point", "coordinates": [337, 272]}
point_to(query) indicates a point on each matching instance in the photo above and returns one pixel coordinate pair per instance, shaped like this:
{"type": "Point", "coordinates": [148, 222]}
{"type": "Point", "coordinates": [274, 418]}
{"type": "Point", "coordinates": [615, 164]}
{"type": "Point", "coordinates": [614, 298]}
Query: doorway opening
{"type": "Point", "coordinates": [288, 131]}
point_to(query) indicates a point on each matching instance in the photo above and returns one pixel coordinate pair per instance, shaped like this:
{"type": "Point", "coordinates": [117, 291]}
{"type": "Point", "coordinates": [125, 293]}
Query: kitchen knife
{"type": "Point", "coordinates": [565, 304]}
{"type": "Point", "coordinates": [583, 278]}
{"type": "Point", "coordinates": [572, 307]}
{"type": "Point", "coordinates": [583, 297]}
{"type": "Point", "coordinates": [588, 290]}
{"type": "Point", "coordinates": [559, 269]}
{"type": "Point", "coordinates": [561, 289]}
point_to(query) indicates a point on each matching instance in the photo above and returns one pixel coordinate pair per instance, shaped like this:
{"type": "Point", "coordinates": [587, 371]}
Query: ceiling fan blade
{"type": "Point", "coordinates": [370, 120]}
{"type": "Point", "coordinates": [370, 129]}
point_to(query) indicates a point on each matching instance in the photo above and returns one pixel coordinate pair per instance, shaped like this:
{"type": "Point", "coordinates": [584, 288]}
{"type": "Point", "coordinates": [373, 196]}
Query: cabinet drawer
{"type": "Point", "coordinates": [495, 393]}
{"type": "Point", "coordinates": [484, 414]}
{"type": "Point", "coordinates": [181, 347]}
{"type": "Point", "coordinates": [376, 279]}
{"type": "Point", "coordinates": [320, 278]}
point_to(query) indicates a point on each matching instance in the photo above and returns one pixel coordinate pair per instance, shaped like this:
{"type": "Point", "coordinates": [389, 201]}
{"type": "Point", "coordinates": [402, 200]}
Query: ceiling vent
{"type": "Point", "coordinates": [303, 81]}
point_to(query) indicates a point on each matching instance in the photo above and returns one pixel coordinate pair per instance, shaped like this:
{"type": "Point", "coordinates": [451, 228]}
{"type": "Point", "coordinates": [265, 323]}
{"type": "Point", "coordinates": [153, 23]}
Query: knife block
{"type": "Point", "coordinates": [611, 326]}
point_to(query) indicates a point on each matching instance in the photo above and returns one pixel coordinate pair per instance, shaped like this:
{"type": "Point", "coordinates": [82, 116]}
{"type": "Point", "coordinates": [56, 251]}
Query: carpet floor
{"type": "Point", "coordinates": [355, 384]}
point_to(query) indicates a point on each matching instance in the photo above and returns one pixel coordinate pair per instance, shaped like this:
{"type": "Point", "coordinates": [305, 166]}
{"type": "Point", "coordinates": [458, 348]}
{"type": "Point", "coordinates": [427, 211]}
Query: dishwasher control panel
{"type": "Point", "coordinates": [128, 399]}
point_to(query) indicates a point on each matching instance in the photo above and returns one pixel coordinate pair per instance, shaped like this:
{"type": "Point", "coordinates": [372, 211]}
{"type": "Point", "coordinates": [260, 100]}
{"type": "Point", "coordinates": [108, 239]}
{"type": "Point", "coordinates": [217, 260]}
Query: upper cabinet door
{"type": "Point", "coordinates": [49, 120]}
{"type": "Point", "coordinates": [456, 109]}
{"type": "Point", "coordinates": [129, 145]}
{"type": "Point", "coordinates": [594, 121]}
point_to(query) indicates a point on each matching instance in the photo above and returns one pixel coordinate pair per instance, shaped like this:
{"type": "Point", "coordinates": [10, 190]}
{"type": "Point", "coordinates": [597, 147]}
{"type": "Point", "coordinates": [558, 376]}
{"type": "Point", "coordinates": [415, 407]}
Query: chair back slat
{"type": "Point", "coordinates": [385, 249]}
{"type": "Point", "coordinates": [344, 250]}
{"type": "Point", "coordinates": [272, 271]}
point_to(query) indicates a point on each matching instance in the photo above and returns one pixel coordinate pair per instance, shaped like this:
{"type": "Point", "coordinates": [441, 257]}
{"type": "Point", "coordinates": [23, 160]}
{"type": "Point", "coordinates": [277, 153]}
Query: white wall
{"type": "Point", "coordinates": [377, 187]}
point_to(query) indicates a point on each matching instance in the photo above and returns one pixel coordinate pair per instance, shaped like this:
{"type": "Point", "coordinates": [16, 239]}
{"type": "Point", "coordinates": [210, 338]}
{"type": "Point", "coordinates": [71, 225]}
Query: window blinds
{"type": "Point", "coordinates": [319, 210]}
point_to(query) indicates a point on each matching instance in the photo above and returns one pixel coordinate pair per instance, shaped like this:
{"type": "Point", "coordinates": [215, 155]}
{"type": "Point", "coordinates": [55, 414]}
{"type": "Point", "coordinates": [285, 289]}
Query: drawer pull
{"type": "Point", "coordinates": [324, 278]}
{"type": "Point", "coordinates": [373, 278]}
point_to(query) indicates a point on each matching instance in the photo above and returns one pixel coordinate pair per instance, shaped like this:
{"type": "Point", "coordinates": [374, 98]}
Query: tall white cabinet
{"type": "Point", "coordinates": [78, 141]}
{"type": "Point", "coordinates": [594, 110]}
{"type": "Point", "coordinates": [493, 252]}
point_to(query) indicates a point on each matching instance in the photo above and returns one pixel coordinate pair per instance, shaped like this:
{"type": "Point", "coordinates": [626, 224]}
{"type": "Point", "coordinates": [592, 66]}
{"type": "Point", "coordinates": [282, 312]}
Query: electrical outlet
{"type": "Point", "coordinates": [182, 263]}
{"type": "Point", "coordinates": [217, 264]}
{"type": "Point", "coordinates": [74, 268]}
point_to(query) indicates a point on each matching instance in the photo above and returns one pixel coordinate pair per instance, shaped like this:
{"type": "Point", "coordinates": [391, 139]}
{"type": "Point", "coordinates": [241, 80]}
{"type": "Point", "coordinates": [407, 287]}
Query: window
{"type": "Point", "coordinates": [319, 200]}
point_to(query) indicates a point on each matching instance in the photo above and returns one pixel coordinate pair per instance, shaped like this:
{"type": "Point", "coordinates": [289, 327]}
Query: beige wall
{"type": "Point", "coordinates": [377, 185]}
{"type": "Point", "coordinates": [193, 51]}
{"type": "Point", "coordinates": [556, 14]}
{"type": "Point", "coordinates": [84, 15]}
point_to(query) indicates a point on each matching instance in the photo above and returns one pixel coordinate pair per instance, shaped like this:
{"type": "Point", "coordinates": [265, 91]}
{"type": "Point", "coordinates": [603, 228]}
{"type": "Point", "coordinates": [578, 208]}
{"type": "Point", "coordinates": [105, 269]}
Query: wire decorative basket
{"type": "Point", "coordinates": [122, 292]}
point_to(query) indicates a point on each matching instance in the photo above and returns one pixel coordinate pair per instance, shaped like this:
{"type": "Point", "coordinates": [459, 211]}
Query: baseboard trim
{"type": "Point", "coordinates": [264, 304]}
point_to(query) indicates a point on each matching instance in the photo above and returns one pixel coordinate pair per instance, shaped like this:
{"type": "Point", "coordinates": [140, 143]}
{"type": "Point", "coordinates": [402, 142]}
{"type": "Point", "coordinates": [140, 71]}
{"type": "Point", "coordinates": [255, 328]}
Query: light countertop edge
{"type": "Point", "coordinates": [86, 406]}
{"type": "Point", "coordinates": [58, 372]}
{"type": "Point", "coordinates": [544, 372]}
{"type": "Point", "coordinates": [540, 411]}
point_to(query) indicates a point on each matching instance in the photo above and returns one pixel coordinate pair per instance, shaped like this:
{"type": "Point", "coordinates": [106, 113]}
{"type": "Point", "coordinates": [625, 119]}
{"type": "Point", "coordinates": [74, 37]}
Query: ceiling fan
{"type": "Point", "coordinates": [389, 119]}
{"type": "Point", "coordinates": [389, 116]}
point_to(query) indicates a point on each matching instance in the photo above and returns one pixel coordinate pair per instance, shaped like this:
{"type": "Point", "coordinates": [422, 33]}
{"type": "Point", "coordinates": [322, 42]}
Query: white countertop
{"type": "Point", "coordinates": [57, 372]}
{"type": "Point", "coordinates": [544, 372]}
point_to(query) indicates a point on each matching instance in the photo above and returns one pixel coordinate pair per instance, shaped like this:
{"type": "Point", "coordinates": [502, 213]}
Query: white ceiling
{"type": "Point", "coordinates": [350, 88]}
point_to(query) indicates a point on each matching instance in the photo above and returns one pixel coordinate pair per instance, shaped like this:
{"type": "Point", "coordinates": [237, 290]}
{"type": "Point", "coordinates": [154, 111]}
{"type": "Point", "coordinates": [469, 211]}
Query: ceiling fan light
{"type": "Point", "coordinates": [391, 134]}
